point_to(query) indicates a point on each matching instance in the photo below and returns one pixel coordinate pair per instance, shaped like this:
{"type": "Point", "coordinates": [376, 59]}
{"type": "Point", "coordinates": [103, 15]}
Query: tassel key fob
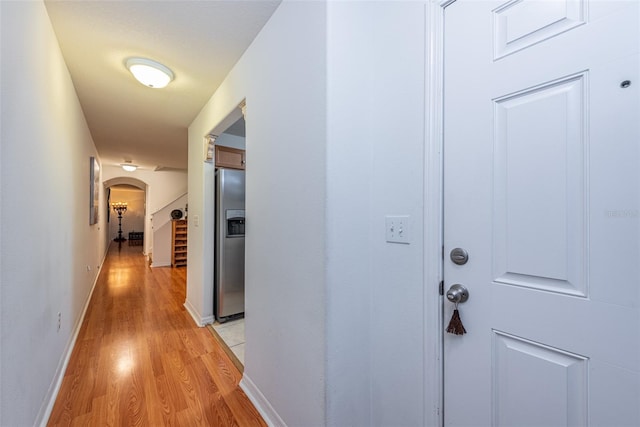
{"type": "Point", "coordinates": [457, 294]}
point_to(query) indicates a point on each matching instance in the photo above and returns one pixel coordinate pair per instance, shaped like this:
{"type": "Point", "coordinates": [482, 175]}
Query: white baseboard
{"type": "Point", "coordinates": [50, 399]}
{"type": "Point", "coordinates": [261, 403]}
{"type": "Point", "coordinates": [200, 321]}
{"type": "Point", "coordinates": [160, 264]}
{"type": "Point", "coordinates": [208, 320]}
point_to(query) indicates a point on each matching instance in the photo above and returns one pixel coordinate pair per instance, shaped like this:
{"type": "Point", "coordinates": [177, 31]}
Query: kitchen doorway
{"type": "Point", "coordinates": [226, 150]}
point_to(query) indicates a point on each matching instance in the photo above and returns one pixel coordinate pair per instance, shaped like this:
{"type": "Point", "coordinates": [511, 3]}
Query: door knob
{"type": "Point", "coordinates": [457, 294]}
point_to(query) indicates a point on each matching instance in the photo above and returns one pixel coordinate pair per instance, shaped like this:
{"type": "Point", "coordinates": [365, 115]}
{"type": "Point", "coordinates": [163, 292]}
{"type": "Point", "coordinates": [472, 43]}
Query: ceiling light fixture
{"type": "Point", "coordinates": [149, 73]}
{"type": "Point", "coordinates": [128, 166]}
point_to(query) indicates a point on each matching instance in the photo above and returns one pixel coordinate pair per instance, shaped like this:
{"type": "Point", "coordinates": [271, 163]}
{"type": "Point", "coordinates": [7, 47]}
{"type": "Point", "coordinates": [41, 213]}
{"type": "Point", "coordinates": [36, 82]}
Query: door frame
{"type": "Point", "coordinates": [433, 220]}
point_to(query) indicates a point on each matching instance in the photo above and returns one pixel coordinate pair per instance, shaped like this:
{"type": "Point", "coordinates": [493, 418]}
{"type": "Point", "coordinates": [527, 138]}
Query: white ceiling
{"type": "Point", "coordinates": [199, 41]}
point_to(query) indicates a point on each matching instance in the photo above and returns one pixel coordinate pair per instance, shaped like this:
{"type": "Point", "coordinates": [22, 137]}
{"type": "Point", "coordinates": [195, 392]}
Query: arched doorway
{"type": "Point", "coordinates": [134, 192]}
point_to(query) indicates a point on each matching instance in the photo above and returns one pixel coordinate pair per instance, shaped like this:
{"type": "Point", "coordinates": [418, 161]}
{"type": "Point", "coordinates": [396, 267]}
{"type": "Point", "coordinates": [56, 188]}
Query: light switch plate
{"type": "Point", "coordinates": [397, 229]}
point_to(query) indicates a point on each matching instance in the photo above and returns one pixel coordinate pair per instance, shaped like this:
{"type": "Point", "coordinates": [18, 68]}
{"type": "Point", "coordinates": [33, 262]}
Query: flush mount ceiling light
{"type": "Point", "coordinates": [128, 166]}
{"type": "Point", "coordinates": [149, 73]}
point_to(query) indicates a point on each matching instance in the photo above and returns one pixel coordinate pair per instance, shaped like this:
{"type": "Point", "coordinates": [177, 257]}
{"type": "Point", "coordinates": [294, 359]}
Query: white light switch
{"type": "Point", "coordinates": [397, 229]}
{"type": "Point", "coordinates": [196, 220]}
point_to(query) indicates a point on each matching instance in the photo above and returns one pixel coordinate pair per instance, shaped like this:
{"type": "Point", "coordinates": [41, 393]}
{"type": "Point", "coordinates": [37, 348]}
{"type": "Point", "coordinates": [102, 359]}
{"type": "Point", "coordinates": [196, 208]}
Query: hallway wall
{"type": "Point", "coordinates": [335, 100]}
{"type": "Point", "coordinates": [50, 255]}
{"type": "Point", "coordinates": [375, 167]}
{"type": "Point", "coordinates": [282, 75]}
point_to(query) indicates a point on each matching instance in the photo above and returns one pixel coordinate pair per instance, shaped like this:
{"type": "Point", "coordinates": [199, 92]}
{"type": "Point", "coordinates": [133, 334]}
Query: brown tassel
{"type": "Point", "coordinates": [455, 325]}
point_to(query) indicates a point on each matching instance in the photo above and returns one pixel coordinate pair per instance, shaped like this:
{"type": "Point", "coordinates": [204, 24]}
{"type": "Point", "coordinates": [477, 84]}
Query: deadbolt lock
{"type": "Point", "coordinates": [459, 256]}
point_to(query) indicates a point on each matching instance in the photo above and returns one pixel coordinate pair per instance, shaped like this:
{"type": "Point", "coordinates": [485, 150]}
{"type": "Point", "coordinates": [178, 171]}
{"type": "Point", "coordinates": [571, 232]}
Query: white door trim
{"type": "Point", "coordinates": [433, 225]}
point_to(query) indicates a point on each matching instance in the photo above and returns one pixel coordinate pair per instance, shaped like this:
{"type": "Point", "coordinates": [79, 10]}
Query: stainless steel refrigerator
{"type": "Point", "coordinates": [229, 248]}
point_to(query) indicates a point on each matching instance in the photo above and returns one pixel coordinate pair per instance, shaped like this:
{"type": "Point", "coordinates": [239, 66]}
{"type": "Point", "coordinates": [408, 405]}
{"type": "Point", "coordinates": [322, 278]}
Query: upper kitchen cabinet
{"type": "Point", "coordinates": [230, 158]}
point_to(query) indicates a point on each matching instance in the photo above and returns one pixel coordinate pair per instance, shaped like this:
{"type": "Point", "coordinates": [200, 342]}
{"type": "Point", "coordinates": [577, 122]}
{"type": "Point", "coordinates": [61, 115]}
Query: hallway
{"type": "Point", "coordinates": [140, 360]}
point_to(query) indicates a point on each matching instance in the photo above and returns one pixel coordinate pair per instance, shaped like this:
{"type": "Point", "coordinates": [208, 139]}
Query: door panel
{"type": "Point", "coordinates": [542, 188]}
{"type": "Point", "coordinates": [539, 187]}
{"type": "Point", "coordinates": [520, 24]}
{"type": "Point", "coordinates": [560, 384]}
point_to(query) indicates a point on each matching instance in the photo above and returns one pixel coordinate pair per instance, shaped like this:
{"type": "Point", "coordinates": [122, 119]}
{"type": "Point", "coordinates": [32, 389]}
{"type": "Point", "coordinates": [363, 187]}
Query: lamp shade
{"type": "Point", "coordinates": [129, 167]}
{"type": "Point", "coordinates": [149, 73]}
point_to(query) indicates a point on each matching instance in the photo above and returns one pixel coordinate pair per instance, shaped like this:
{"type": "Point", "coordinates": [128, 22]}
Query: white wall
{"type": "Point", "coordinates": [335, 141]}
{"type": "Point", "coordinates": [161, 254]}
{"type": "Point", "coordinates": [232, 141]}
{"type": "Point", "coordinates": [375, 167]}
{"type": "Point", "coordinates": [1, 192]}
{"type": "Point", "coordinates": [282, 76]}
{"type": "Point", "coordinates": [49, 253]}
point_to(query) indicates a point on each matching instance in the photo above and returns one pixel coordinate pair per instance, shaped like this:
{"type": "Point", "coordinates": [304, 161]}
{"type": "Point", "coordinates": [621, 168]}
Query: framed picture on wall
{"type": "Point", "coordinates": [94, 191]}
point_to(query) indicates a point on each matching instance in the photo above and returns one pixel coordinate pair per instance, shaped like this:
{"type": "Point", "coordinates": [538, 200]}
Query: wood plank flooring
{"type": "Point", "coordinates": [140, 360]}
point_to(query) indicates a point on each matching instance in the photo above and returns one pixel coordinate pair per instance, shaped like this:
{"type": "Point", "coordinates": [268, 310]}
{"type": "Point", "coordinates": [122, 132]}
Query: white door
{"type": "Point", "coordinates": [542, 189]}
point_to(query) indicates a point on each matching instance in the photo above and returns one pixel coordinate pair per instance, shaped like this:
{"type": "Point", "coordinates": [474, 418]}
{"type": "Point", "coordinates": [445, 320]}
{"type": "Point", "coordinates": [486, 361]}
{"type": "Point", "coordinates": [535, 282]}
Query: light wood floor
{"type": "Point", "coordinates": [140, 359]}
